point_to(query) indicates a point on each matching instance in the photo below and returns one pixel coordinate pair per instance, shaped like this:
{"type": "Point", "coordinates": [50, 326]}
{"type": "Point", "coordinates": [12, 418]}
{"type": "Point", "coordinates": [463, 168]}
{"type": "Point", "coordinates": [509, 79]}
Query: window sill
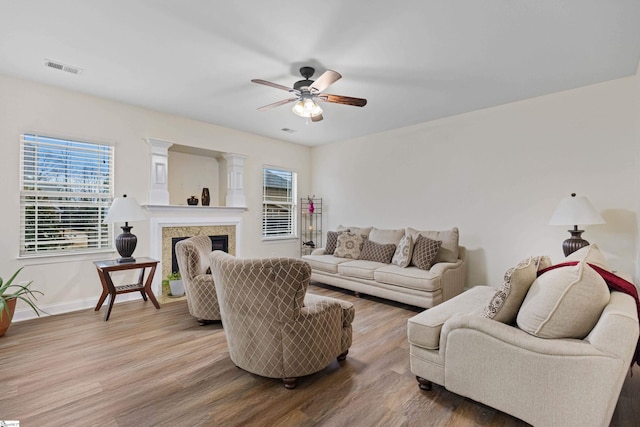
{"type": "Point", "coordinates": [279, 239]}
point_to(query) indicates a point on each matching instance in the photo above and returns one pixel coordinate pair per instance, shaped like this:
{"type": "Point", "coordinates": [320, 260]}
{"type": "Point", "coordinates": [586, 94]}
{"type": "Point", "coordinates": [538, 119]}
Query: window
{"type": "Point", "coordinates": [65, 190]}
{"type": "Point", "coordinates": [278, 203]}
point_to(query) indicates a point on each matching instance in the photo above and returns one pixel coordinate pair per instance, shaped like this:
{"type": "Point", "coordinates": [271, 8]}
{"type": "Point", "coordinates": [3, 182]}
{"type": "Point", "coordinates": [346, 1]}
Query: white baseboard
{"type": "Point", "coordinates": [26, 313]}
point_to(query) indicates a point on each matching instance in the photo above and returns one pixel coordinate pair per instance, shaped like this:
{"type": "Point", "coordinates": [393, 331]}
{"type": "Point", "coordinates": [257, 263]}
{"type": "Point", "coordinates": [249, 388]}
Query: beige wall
{"type": "Point", "coordinates": [498, 174]}
{"type": "Point", "coordinates": [71, 282]}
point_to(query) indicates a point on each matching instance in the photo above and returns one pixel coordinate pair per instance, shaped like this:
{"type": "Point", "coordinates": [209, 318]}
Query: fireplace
{"type": "Point", "coordinates": [218, 243]}
{"type": "Point", "coordinates": [168, 222]}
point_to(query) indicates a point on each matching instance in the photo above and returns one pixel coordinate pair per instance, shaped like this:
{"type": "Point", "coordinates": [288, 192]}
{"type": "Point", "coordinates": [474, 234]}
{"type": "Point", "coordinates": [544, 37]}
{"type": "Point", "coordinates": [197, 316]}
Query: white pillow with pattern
{"type": "Point", "coordinates": [402, 256]}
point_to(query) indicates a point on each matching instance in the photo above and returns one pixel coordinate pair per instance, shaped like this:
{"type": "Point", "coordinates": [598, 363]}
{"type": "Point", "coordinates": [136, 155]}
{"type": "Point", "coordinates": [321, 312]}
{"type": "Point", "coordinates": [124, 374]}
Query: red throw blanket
{"type": "Point", "coordinates": [615, 283]}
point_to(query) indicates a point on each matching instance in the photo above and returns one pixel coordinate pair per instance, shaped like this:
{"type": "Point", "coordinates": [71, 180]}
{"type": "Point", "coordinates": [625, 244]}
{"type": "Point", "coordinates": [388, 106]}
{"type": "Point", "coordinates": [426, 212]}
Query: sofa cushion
{"type": "Point", "coordinates": [332, 241]}
{"type": "Point", "coordinates": [425, 251]}
{"type": "Point", "coordinates": [564, 303]}
{"type": "Point", "coordinates": [590, 254]}
{"type": "Point", "coordinates": [372, 251]}
{"type": "Point", "coordinates": [424, 329]}
{"type": "Point", "coordinates": [326, 263]}
{"type": "Point", "coordinates": [402, 256]}
{"type": "Point", "coordinates": [386, 236]}
{"type": "Point", "coordinates": [506, 302]}
{"type": "Point", "coordinates": [349, 245]}
{"type": "Point", "coordinates": [449, 249]}
{"type": "Point", "coordinates": [410, 277]}
{"type": "Point", "coordinates": [359, 268]}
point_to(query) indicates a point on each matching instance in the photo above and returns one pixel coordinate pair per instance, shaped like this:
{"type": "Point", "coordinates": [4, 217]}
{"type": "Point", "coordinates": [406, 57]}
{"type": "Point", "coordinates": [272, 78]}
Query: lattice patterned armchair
{"type": "Point", "coordinates": [193, 260]}
{"type": "Point", "coordinates": [273, 327]}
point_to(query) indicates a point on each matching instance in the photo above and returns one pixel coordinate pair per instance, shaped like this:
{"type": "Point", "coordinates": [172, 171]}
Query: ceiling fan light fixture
{"type": "Point", "coordinates": [306, 107]}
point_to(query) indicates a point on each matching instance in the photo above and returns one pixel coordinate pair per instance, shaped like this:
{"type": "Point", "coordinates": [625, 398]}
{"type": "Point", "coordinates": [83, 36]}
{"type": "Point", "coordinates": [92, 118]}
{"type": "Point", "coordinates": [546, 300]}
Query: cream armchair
{"type": "Point", "coordinates": [193, 260]}
{"type": "Point", "coordinates": [545, 382]}
{"type": "Point", "coordinates": [273, 327]}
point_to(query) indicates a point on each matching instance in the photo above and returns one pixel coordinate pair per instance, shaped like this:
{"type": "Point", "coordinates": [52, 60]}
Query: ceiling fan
{"type": "Point", "coordinates": [308, 91]}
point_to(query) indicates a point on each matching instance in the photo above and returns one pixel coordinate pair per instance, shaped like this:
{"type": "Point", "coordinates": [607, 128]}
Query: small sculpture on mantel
{"type": "Point", "coordinates": [311, 208]}
{"type": "Point", "coordinates": [192, 201]}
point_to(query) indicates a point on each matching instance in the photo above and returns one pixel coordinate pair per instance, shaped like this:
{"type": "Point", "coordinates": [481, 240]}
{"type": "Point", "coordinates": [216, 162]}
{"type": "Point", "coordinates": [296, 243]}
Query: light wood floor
{"type": "Point", "coordinates": [148, 367]}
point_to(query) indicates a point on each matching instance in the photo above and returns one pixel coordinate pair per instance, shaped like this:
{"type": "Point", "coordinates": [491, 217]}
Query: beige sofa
{"type": "Point", "coordinates": [406, 284]}
{"type": "Point", "coordinates": [561, 380]}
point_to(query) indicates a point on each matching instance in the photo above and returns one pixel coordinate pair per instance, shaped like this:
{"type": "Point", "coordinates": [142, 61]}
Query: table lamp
{"type": "Point", "coordinates": [574, 210]}
{"type": "Point", "coordinates": [125, 209]}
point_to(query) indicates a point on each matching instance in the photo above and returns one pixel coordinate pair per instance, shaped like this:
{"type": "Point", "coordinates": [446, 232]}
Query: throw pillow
{"type": "Point", "coordinates": [564, 303]}
{"type": "Point", "coordinates": [402, 256]}
{"type": "Point", "coordinates": [349, 245]}
{"type": "Point", "coordinates": [449, 250]}
{"type": "Point", "coordinates": [358, 230]}
{"type": "Point", "coordinates": [332, 240]}
{"type": "Point", "coordinates": [425, 251]}
{"type": "Point", "coordinates": [506, 302]}
{"type": "Point", "coordinates": [372, 251]}
{"type": "Point", "coordinates": [590, 254]}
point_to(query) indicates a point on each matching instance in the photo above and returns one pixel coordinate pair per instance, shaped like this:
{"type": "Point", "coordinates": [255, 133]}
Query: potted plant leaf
{"type": "Point", "coordinates": [10, 293]}
{"type": "Point", "coordinates": [175, 283]}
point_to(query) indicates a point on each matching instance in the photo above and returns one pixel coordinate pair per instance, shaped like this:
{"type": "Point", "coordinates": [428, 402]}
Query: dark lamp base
{"type": "Point", "coordinates": [574, 242]}
{"type": "Point", "coordinates": [126, 244]}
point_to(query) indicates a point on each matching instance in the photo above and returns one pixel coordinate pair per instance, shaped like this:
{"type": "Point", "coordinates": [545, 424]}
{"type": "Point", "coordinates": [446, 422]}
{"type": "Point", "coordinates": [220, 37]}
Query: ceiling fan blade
{"type": "Point", "coordinates": [317, 118]}
{"type": "Point", "coordinates": [346, 100]}
{"type": "Point", "coordinates": [327, 78]}
{"type": "Point", "coordinates": [277, 104]}
{"type": "Point", "coordinates": [276, 85]}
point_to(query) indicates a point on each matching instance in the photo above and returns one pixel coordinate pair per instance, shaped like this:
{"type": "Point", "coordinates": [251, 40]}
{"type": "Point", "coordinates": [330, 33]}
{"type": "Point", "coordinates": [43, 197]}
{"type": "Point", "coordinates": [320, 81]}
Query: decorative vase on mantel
{"type": "Point", "coordinates": [206, 198]}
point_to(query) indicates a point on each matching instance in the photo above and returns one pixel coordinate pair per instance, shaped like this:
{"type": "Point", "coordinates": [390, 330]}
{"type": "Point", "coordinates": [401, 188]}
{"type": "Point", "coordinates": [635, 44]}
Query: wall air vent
{"type": "Point", "coordinates": [62, 67]}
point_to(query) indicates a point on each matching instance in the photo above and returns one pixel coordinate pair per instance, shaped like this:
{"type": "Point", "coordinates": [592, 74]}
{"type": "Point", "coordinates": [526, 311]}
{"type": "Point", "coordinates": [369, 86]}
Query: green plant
{"type": "Point", "coordinates": [174, 276]}
{"type": "Point", "coordinates": [22, 292]}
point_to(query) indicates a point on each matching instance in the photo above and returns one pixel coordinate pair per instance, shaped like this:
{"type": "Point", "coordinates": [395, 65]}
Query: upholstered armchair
{"type": "Point", "coordinates": [193, 260]}
{"type": "Point", "coordinates": [273, 327]}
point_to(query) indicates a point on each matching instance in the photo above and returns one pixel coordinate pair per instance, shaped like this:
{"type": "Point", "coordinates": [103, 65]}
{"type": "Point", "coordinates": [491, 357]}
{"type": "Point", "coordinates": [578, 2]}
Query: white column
{"type": "Point", "coordinates": [159, 192]}
{"type": "Point", "coordinates": [235, 180]}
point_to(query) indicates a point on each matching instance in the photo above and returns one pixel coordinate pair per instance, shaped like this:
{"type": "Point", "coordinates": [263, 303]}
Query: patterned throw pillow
{"type": "Point", "coordinates": [349, 245]}
{"type": "Point", "coordinates": [372, 251]}
{"type": "Point", "coordinates": [506, 302]}
{"type": "Point", "coordinates": [402, 257]}
{"type": "Point", "coordinates": [332, 240]}
{"type": "Point", "coordinates": [425, 251]}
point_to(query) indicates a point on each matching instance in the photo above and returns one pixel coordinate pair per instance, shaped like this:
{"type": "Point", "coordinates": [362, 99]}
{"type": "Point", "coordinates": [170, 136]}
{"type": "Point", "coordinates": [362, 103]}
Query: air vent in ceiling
{"type": "Point", "coordinates": [62, 67]}
{"type": "Point", "coordinates": [287, 130]}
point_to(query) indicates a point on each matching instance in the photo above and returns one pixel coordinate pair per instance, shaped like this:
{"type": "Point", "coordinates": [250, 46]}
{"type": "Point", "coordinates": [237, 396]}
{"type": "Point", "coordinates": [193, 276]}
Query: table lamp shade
{"type": "Point", "coordinates": [125, 209]}
{"type": "Point", "coordinates": [573, 210]}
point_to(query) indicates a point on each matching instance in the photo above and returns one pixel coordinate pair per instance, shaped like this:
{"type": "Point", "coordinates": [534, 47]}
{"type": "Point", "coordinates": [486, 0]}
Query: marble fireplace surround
{"type": "Point", "coordinates": [167, 221]}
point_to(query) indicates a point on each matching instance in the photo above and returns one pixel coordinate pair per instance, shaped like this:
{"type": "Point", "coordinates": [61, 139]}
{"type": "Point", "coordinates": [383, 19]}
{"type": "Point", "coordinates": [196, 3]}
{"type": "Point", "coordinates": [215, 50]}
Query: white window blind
{"type": "Point", "coordinates": [65, 190]}
{"type": "Point", "coordinates": [278, 203]}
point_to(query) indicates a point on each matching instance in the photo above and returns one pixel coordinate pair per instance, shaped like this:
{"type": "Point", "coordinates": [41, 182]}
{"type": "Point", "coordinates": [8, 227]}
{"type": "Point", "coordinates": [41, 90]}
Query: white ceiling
{"type": "Point", "coordinates": [414, 60]}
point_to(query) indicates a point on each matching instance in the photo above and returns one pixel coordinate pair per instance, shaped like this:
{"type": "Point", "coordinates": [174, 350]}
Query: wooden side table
{"type": "Point", "coordinates": [108, 288]}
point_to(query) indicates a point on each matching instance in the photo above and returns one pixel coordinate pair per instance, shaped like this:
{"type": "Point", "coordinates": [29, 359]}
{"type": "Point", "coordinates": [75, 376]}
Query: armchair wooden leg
{"type": "Point", "coordinates": [289, 383]}
{"type": "Point", "coordinates": [424, 384]}
{"type": "Point", "coordinates": [343, 356]}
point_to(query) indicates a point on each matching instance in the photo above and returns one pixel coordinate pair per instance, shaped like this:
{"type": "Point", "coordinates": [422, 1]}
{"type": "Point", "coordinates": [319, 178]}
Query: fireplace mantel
{"type": "Point", "coordinates": [196, 210]}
